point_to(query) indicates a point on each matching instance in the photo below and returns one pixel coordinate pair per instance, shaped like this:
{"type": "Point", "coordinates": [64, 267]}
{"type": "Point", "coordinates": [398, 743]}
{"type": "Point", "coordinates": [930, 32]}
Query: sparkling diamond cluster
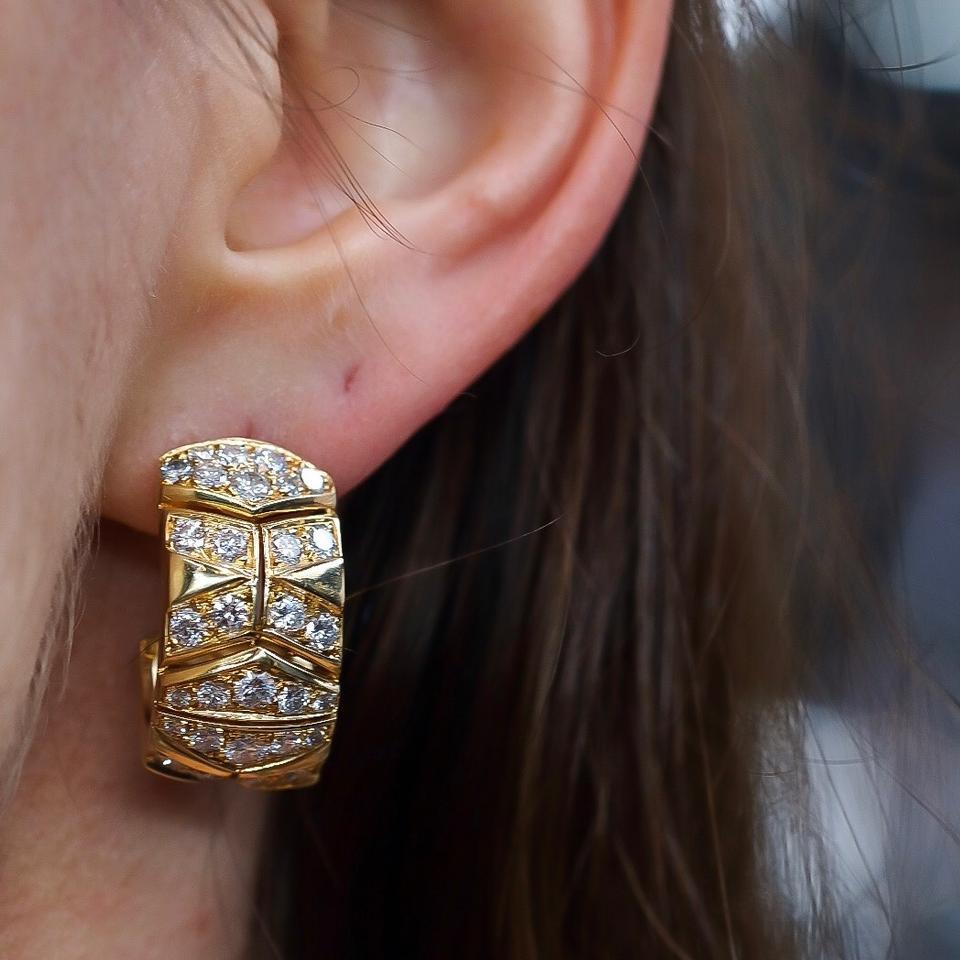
{"type": "Point", "coordinates": [252, 473]}
{"type": "Point", "coordinates": [305, 621]}
{"type": "Point", "coordinates": [253, 690]}
{"type": "Point", "coordinates": [213, 540]}
{"type": "Point", "coordinates": [297, 543]}
{"type": "Point", "coordinates": [250, 658]}
{"type": "Point", "coordinates": [211, 617]}
{"type": "Point", "coordinates": [245, 747]}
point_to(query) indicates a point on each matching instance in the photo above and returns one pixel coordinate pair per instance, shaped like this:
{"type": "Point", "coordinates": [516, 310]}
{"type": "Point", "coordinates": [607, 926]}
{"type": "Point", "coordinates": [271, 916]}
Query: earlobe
{"type": "Point", "coordinates": [480, 176]}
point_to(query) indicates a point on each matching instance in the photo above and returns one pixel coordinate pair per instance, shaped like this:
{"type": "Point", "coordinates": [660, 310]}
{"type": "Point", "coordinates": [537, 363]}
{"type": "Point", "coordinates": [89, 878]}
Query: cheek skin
{"type": "Point", "coordinates": [72, 297]}
{"type": "Point", "coordinates": [101, 112]}
{"type": "Point", "coordinates": [99, 123]}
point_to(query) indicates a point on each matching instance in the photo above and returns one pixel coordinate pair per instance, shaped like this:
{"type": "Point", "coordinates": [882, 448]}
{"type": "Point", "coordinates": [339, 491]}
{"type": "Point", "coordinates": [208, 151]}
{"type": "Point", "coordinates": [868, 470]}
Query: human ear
{"type": "Point", "coordinates": [430, 178]}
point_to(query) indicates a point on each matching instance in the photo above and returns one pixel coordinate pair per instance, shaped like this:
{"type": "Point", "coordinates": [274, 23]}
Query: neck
{"type": "Point", "coordinates": [97, 856]}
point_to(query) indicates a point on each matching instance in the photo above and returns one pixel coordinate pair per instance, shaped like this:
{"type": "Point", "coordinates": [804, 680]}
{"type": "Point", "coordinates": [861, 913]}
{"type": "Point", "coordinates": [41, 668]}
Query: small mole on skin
{"type": "Point", "coordinates": [350, 378]}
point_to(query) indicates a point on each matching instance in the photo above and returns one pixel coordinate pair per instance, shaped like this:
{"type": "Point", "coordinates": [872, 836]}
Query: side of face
{"type": "Point", "coordinates": [310, 223]}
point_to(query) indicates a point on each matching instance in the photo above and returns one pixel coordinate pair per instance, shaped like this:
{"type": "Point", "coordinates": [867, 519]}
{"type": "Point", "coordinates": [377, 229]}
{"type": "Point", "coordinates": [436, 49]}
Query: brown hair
{"type": "Point", "coordinates": [569, 645]}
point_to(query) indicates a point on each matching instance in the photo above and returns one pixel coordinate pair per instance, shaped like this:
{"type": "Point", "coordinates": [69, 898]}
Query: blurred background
{"type": "Point", "coordinates": [884, 406]}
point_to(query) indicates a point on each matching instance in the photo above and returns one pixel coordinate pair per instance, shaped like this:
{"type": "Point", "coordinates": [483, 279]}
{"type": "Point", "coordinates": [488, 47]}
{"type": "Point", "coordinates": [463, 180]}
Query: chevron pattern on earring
{"type": "Point", "coordinates": [243, 682]}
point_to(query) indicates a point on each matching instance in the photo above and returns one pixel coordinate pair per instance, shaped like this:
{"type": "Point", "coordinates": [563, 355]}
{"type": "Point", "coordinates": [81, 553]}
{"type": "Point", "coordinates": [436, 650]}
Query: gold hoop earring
{"type": "Point", "coordinates": [243, 684]}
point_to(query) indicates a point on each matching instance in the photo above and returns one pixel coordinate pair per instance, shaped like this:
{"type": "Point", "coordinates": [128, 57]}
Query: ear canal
{"type": "Point", "coordinates": [368, 121]}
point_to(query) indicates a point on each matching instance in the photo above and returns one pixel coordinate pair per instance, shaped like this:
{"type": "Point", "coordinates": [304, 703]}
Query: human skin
{"type": "Point", "coordinates": [173, 270]}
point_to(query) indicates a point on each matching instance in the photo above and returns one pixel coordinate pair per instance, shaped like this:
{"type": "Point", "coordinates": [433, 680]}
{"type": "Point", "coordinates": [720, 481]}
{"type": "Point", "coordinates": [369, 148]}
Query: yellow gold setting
{"type": "Point", "coordinates": [243, 683]}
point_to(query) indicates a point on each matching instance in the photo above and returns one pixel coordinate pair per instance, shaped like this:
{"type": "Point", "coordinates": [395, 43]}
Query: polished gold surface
{"type": "Point", "coordinates": [243, 683]}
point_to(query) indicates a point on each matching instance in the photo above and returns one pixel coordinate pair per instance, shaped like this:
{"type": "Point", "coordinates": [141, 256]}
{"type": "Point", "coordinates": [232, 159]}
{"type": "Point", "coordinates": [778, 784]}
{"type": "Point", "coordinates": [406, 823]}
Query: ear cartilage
{"type": "Point", "coordinates": [244, 682]}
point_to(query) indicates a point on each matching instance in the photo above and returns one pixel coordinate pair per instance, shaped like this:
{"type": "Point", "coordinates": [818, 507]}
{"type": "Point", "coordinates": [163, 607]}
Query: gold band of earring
{"type": "Point", "coordinates": [244, 682]}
